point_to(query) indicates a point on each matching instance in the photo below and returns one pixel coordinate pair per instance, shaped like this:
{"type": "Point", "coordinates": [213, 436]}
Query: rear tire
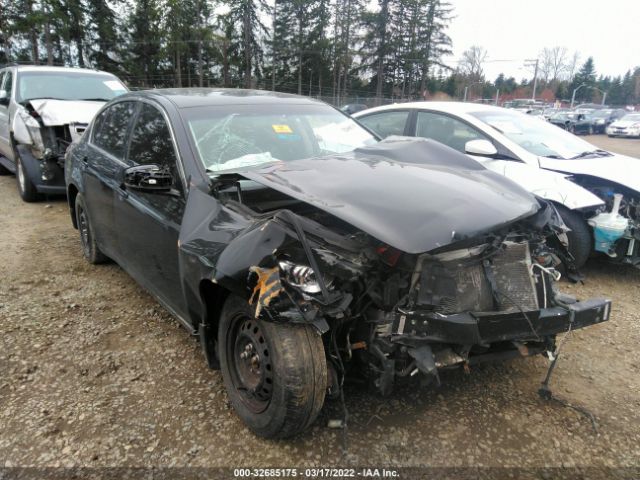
{"type": "Point", "coordinates": [90, 248]}
{"type": "Point", "coordinates": [26, 188]}
{"type": "Point", "coordinates": [275, 374]}
{"type": "Point", "coordinates": [580, 237]}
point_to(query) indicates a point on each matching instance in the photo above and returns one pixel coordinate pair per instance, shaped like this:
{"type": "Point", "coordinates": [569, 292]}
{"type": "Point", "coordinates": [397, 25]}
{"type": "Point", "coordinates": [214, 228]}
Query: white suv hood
{"type": "Point", "coordinates": [616, 168]}
{"type": "Point", "coordinates": [64, 112]}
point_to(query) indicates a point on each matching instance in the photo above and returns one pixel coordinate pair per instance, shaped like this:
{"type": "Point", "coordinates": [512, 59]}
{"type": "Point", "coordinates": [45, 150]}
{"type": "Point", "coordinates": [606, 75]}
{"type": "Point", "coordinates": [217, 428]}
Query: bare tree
{"type": "Point", "coordinates": [554, 63]}
{"type": "Point", "coordinates": [472, 61]}
{"type": "Point", "coordinates": [573, 66]}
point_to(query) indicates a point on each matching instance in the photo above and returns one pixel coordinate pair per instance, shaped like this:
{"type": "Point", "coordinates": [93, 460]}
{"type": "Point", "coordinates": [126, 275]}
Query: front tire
{"type": "Point", "coordinates": [580, 236]}
{"type": "Point", "coordinates": [26, 188]}
{"type": "Point", "coordinates": [90, 248]}
{"type": "Point", "coordinates": [275, 374]}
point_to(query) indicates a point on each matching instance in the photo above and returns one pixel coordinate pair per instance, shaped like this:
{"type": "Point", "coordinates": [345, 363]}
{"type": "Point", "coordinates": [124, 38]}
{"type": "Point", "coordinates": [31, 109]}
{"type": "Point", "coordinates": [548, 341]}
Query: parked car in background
{"type": "Point", "coordinates": [576, 123]}
{"type": "Point", "coordinates": [550, 111]}
{"type": "Point", "coordinates": [627, 126]}
{"type": "Point", "coordinates": [601, 119]}
{"type": "Point", "coordinates": [591, 106]}
{"type": "Point", "coordinates": [297, 246]}
{"type": "Point", "coordinates": [42, 111]}
{"type": "Point", "coordinates": [352, 108]}
{"type": "Point", "coordinates": [536, 112]}
{"type": "Point", "coordinates": [527, 150]}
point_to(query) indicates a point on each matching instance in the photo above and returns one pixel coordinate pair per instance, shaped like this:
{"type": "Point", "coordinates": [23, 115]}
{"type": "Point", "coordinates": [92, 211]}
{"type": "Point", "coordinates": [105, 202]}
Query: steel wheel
{"type": "Point", "coordinates": [26, 188]}
{"type": "Point", "coordinates": [90, 248]}
{"type": "Point", "coordinates": [85, 233]}
{"type": "Point", "coordinates": [275, 373]}
{"type": "Point", "coordinates": [250, 364]}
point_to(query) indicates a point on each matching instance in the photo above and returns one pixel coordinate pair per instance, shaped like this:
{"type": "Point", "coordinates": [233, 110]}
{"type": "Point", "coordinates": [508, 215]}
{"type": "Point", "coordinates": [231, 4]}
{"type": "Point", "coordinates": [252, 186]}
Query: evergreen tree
{"type": "Point", "coordinates": [245, 15]}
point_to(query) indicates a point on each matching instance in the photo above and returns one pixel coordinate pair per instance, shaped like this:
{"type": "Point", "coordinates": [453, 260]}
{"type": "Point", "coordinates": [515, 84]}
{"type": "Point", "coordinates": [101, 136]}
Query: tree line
{"type": "Point", "coordinates": [559, 74]}
{"type": "Point", "coordinates": [335, 49]}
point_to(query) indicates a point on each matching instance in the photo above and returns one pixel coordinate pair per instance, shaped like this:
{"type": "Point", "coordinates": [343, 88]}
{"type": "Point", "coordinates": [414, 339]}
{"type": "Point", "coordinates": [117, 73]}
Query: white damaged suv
{"type": "Point", "coordinates": [42, 111]}
{"type": "Point", "coordinates": [596, 192]}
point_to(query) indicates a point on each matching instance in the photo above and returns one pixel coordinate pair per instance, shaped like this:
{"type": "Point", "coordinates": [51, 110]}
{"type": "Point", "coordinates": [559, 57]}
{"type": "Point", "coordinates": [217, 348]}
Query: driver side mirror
{"type": "Point", "coordinates": [148, 178]}
{"type": "Point", "coordinates": [4, 98]}
{"type": "Point", "coordinates": [481, 148]}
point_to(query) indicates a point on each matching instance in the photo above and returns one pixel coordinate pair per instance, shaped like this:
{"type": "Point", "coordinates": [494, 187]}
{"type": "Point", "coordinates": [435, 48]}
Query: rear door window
{"type": "Point", "coordinates": [7, 83]}
{"type": "Point", "coordinates": [386, 123]}
{"type": "Point", "coordinates": [112, 126]}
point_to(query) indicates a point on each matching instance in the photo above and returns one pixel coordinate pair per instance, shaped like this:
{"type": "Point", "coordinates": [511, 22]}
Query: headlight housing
{"type": "Point", "coordinates": [33, 128]}
{"type": "Point", "coordinates": [302, 277]}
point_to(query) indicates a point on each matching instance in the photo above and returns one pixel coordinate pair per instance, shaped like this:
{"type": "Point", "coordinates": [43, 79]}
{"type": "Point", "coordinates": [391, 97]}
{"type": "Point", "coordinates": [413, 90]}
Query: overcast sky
{"type": "Point", "coordinates": [515, 30]}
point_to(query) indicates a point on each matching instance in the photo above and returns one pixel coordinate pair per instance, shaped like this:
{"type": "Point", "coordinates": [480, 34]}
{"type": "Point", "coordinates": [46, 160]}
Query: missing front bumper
{"type": "Point", "coordinates": [486, 328]}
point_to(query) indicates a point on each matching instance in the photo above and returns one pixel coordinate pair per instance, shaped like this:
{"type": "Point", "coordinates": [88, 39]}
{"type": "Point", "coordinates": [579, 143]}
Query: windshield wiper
{"type": "Point", "coordinates": [94, 99]}
{"type": "Point", "coordinates": [24, 102]}
{"type": "Point", "coordinates": [599, 153]}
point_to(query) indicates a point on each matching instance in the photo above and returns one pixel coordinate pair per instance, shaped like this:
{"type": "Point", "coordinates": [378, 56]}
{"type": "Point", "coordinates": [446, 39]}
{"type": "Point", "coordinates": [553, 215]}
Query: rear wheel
{"type": "Point", "coordinates": [26, 188]}
{"type": "Point", "coordinates": [580, 237]}
{"type": "Point", "coordinates": [90, 248]}
{"type": "Point", "coordinates": [275, 374]}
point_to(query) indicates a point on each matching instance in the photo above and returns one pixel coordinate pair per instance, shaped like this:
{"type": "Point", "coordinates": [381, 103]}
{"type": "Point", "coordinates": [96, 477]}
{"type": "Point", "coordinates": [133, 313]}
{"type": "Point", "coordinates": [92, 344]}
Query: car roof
{"type": "Point", "coordinates": [202, 97]}
{"type": "Point", "coordinates": [47, 68]}
{"type": "Point", "coordinates": [451, 107]}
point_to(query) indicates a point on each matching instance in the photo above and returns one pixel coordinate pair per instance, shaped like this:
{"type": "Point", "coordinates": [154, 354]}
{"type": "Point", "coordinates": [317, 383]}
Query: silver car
{"type": "Point", "coordinates": [42, 111]}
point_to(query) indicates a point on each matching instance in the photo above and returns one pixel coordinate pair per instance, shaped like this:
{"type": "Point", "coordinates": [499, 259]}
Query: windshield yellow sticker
{"type": "Point", "coordinates": [282, 128]}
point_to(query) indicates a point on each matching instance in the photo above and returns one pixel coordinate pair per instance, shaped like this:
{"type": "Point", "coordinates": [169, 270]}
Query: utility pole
{"type": "Point", "coordinates": [573, 95]}
{"type": "Point", "coordinates": [273, 53]}
{"type": "Point", "coordinates": [533, 63]}
{"type": "Point", "coordinates": [497, 96]}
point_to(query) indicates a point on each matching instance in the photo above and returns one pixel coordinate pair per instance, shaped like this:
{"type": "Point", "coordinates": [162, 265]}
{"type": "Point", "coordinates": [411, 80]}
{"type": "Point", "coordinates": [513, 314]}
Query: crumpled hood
{"type": "Point", "coordinates": [616, 168]}
{"type": "Point", "coordinates": [414, 207]}
{"type": "Point", "coordinates": [63, 112]}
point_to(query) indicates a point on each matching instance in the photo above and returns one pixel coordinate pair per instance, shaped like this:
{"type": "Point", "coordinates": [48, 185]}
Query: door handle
{"type": "Point", "coordinates": [85, 159]}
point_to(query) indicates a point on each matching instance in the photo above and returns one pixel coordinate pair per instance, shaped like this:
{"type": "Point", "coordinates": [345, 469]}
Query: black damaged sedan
{"type": "Point", "coordinates": [300, 249]}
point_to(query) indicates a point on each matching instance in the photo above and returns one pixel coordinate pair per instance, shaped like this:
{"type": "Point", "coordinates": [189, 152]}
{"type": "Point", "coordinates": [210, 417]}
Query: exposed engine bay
{"type": "Point", "coordinates": [389, 314]}
{"type": "Point", "coordinates": [43, 129]}
{"type": "Point", "coordinates": [617, 224]}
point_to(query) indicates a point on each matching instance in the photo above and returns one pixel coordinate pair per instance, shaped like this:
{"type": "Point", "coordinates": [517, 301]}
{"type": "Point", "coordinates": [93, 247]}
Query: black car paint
{"type": "Point", "coordinates": [469, 200]}
{"type": "Point", "coordinates": [190, 248]}
{"type": "Point", "coordinates": [449, 197]}
{"type": "Point", "coordinates": [580, 124]}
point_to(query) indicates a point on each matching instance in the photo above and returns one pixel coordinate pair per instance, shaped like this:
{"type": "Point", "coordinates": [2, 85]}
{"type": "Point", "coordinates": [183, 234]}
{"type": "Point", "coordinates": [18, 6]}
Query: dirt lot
{"type": "Point", "coordinates": [93, 372]}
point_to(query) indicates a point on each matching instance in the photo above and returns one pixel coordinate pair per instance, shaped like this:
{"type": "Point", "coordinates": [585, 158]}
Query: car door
{"type": "Point", "coordinates": [387, 123]}
{"type": "Point", "coordinates": [6, 82]}
{"type": "Point", "coordinates": [149, 222]}
{"type": "Point", "coordinates": [102, 164]}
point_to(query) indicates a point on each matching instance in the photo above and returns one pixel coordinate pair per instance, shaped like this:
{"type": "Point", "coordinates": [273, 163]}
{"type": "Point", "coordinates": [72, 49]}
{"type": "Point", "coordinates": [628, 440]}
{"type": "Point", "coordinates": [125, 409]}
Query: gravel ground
{"type": "Point", "coordinates": [95, 373]}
